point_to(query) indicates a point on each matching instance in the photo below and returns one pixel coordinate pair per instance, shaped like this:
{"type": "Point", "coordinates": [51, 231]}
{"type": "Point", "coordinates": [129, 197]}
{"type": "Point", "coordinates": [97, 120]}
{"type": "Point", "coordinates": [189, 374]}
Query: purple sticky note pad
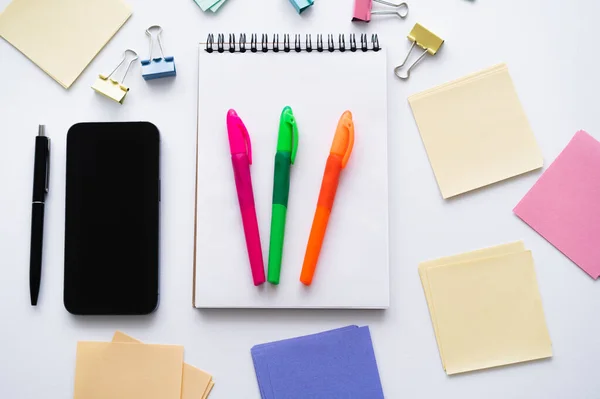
{"type": "Point", "coordinates": [260, 357]}
{"type": "Point", "coordinates": [564, 205]}
{"type": "Point", "coordinates": [334, 364]}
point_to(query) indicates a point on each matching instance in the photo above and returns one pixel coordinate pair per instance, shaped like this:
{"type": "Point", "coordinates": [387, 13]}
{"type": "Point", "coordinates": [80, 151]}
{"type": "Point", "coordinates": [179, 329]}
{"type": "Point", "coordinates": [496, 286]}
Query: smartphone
{"type": "Point", "coordinates": [112, 219]}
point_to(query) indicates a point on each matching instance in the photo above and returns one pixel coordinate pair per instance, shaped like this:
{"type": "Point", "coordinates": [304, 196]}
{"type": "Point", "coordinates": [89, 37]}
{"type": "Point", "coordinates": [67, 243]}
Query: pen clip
{"type": "Point", "coordinates": [246, 140]}
{"type": "Point", "coordinates": [48, 167]}
{"type": "Point", "coordinates": [349, 125]}
{"type": "Point", "coordinates": [294, 139]}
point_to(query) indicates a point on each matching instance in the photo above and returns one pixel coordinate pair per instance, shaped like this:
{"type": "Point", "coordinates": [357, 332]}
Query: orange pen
{"type": "Point", "coordinates": [341, 149]}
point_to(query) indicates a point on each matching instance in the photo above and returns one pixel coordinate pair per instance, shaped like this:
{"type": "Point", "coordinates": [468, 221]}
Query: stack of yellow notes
{"type": "Point", "coordinates": [486, 308]}
{"type": "Point", "coordinates": [127, 369]}
{"type": "Point", "coordinates": [475, 131]}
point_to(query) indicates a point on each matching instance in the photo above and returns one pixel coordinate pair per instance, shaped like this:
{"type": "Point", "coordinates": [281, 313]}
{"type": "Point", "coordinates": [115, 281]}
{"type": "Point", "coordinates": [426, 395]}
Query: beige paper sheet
{"type": "Point", "coordinates": [475, 131]}
{"type": "Point", "coordinates": [128, 371]}
{"type": "Point", "coordinates": [488, 312]}
{"type": "Point", "coordinates": [196, 384]}
{"type": "Point", "coordinates": [498, 250]}
{"type": "Point", "coordinates": [62, 36]}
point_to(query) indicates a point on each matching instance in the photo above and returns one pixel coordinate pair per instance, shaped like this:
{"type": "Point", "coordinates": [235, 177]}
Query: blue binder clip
{"type": "Point", "coordinates": [160, 67]}
{"type": "Point", "coordinates": [301, 5]}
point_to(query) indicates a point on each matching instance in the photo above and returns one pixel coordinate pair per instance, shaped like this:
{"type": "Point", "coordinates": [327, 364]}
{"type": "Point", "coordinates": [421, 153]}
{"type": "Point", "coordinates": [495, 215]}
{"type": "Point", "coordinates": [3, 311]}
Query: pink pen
{"type": "Point", "coordinates": [241, 159]}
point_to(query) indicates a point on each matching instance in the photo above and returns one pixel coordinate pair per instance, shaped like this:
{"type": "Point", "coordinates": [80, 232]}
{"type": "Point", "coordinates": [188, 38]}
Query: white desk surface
{"type": "Point", "coordinates": [551, 50]}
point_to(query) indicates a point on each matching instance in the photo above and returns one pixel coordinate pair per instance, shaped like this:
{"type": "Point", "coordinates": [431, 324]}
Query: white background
{"type": "Point", "coordinates": [551, 50]}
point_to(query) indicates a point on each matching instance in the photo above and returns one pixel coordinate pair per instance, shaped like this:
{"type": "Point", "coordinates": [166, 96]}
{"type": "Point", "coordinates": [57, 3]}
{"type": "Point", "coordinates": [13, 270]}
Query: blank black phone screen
{"type": "Point", "coordinates": [112, 218]}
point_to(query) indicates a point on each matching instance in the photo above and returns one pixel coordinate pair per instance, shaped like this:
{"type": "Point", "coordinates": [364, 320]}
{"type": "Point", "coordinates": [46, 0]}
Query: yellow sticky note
{"type": "Point", "coordinates": [498, 250]}
{"type": "Point", "coordinates": [475, 131]}
{"type": "Point", "coordinates": [62, 36]}
{"type": "Point", "coordinates": [488, 312]}
{"type": "Point", "coordinates": [128, 371]}
{"type": "Point", "coordinates": [196, 384]}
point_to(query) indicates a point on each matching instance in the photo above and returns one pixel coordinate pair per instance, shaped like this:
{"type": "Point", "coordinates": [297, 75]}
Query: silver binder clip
{"type": "Point", "coordinates": [159, 67]}
{"type": "Point", "coordinates": [112, 88]}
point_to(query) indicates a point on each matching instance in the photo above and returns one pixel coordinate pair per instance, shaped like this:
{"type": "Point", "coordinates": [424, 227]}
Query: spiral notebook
{"type": "Point", "coordinates": [319, 76]}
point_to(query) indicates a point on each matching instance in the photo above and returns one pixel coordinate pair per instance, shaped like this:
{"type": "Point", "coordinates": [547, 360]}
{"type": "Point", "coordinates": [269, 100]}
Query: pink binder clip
{"type": "Point", "coordinates": [363, 12]}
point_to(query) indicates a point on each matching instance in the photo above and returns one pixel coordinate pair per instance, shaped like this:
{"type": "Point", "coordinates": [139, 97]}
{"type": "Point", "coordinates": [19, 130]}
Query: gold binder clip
{"type": "Point", "coordinates": [428, 41]}
{"type": "Point", "coordinates": [112, 88]}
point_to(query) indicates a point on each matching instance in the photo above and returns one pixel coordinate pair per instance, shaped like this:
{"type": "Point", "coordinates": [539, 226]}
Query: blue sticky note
{"type": "Point", "coordinates": [334, 364]}
{"type": "Point", "coordinates": [217, 5]}
{"type": "Point", "coordinates": [206, 4]}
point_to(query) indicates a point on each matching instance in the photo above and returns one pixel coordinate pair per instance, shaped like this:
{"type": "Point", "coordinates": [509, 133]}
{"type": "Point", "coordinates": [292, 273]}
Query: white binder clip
{"type": "Point", "coordinates": [160, 67]}
{"type": "Point", "coordinates": [112, 88]}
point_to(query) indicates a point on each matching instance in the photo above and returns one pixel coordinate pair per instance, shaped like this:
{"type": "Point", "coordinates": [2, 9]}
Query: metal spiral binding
{"type": "Point", "coordinates": [286, 43]}
{"type": "Point", "coordinates": [242, 43]}
{"type": "Point", "coordinates": [231, 43]}
{"type": "Point", "coordinates": [253, 41]}
{"type": "Point", "coordinates": [220, 42]}
{"type": "Point", "coordinates": [330, 43]}
{"type": "Point", "coordinates": [375, 42]}
{"type": "Point", "coordinates": [297, 44]}
{"type": "Point", "coordinates": [210, 41]}
{"type": "Point", "coordinates": [265, 45]}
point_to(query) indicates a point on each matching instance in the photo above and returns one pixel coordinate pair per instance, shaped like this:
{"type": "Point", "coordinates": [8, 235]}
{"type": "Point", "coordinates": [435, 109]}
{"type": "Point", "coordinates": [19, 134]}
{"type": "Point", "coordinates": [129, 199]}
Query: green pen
{"type": "Point", "coordinates": [287, 145]}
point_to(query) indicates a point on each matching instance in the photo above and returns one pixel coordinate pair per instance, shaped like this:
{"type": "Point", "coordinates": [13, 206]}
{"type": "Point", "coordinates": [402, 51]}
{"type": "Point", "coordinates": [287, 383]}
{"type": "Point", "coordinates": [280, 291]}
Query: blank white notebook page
{"type": "Point", "coordinates": [353, 268]}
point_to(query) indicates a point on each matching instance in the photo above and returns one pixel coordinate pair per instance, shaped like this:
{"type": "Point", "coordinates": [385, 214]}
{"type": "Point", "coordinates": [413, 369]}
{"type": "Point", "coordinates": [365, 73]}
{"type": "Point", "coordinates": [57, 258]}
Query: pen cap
{"type": "Point", "coordinates": [343, 140]}
{"type": "Point", "coordinates": [239, 139]}
{"type": "Point", "coordinates": [288, 133]}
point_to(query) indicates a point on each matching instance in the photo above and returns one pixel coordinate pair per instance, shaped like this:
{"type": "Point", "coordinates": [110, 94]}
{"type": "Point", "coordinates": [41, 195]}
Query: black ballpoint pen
{"type": "Point", "coordinates": [41, 175]}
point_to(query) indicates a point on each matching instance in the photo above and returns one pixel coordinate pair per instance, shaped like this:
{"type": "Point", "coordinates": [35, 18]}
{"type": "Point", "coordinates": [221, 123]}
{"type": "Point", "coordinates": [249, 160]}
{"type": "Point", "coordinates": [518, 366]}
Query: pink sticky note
{"type": "Point", "coordinates": [564, 205]}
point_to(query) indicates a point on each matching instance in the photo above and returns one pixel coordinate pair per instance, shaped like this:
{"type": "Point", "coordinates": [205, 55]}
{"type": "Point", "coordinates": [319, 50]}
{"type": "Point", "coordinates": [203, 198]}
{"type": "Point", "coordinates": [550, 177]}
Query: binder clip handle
{"type": "Point", "coordinates": [398, 69]}
{"type": "Point", "coordinates": [400, 9]}
{"type": "Point", "coordinates": [134, 57]}
{"type": "Point", "coordinates": [153, 33]}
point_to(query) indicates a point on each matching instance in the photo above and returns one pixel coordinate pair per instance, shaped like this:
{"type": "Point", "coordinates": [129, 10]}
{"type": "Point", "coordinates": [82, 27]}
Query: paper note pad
{"type": "Point", "coordinates": [475, 131]}
{"type": "Point", "coordinates": [486, 308]}
{"type": "Point", "coordinates": [62, 36]}
{"type": "Point", "coordinates": [564, 205]}
{"type": "Point", "coordinates": [196, 384]}
{"type": "Point", "coordinates": [128, 371]}
{"type": "Point", "coordinates": [333, 364]}
{"type": "Point", "coordinates": [355, 253]}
